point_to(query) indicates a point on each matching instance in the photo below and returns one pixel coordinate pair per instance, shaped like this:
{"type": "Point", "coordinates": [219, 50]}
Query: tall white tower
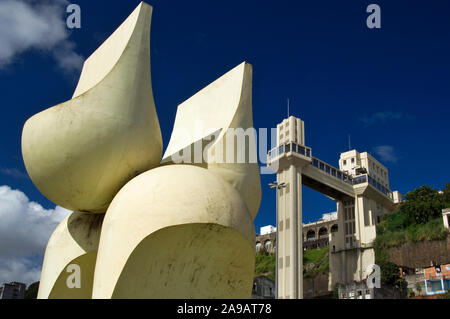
{"type": "Point", "coordinates": [360, 187]}
{"type": "Point", "coordinates": [287, 159]}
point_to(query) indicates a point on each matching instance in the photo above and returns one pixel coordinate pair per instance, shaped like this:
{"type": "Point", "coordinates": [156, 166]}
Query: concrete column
{"type": "Point", "coordinates": [281, 229]}
{"type": "Point", "coordinates": [290, 254]}
{"type": "Point", "coordinates": [299, 239]}
{"type": "Point", "coordinates": [294, 231]}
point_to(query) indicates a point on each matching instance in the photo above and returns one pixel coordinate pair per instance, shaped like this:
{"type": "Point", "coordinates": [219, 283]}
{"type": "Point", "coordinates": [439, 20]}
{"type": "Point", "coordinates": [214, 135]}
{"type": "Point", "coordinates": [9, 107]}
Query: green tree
{"type": "Point", "coordinates": [335, 292]}
{"type": "Point", "coordinates": [32, 291]}
{"type": "Point", "coordinates": [421, 205]}
{"type": "Point", "coordinates": [446, 195]}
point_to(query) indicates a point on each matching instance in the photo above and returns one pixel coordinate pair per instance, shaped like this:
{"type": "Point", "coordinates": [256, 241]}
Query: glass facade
{"type": "Point", "coordinates": [315, 162]}
{"type": "Point", "coordinates": [301, 150]}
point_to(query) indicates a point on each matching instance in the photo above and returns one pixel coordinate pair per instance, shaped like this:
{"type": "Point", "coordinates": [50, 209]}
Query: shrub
{"type": "Point", "coordinates": [265, 265]}
{"type": "Point", "coordinates": [422, 205]}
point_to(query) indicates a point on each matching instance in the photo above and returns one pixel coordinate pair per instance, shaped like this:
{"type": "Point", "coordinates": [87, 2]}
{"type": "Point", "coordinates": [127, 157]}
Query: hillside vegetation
{"type": "Point", "coordinates": [418, 218]}
{"type": "Point", "coordinates": [265, 265]}
{"type": "Point", "coordinates": [315, 262]}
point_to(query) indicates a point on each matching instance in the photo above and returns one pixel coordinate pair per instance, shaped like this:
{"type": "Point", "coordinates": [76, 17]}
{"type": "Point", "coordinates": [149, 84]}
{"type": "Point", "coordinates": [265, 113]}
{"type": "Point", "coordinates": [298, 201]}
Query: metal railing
{"type": "Point", "coordinates": [327, 168]}
{"type": "Point", "coordinates": [330, 170]}
{"type": "Point", "coordinates": [289, 147]}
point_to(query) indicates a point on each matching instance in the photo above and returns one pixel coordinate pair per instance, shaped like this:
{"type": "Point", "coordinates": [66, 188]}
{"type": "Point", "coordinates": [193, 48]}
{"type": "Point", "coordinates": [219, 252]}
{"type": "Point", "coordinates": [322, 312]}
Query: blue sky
{"type": "Point", "coordinates": [388, 88]}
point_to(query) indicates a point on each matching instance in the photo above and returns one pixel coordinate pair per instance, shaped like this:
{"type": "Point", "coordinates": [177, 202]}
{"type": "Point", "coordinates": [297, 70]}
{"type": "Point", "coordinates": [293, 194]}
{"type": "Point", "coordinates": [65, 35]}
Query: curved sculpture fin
{"type": "Point", "coordinates": [103, 60]}
{"type": "Point", "coordinates": [207, 123]}
{"type": "Point", "coordinates": [81, 152]}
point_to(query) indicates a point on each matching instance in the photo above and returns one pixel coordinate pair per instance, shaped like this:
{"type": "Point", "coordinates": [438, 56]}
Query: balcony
{"type": "Point", "coordinates": [287, 148]}
{"type": "Point", "coordinates": [366, 178]}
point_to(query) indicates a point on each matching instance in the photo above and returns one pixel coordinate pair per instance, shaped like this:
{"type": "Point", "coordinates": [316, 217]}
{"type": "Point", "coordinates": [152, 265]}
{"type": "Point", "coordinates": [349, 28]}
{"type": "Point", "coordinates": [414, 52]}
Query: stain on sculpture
{"type": "Point", "coordinates": [74, 242]}
{"type": "Point", "coordinates": [192, 237]}
{"type": "Point", "coordinates": [139, 230]}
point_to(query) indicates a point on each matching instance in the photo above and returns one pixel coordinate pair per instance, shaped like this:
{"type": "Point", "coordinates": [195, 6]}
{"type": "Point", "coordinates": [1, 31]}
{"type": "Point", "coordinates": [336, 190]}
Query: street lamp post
{"type": "Point", "coordinates": [277, 186]}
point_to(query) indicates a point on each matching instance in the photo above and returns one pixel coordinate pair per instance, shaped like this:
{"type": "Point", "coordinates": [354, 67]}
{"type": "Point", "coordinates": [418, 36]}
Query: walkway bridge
{"type": "Point", "coordinates": [323, 177]}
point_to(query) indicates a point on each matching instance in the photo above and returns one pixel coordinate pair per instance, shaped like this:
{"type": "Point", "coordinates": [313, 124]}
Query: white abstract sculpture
{"type": "Point", "coordinates": [174, 231]}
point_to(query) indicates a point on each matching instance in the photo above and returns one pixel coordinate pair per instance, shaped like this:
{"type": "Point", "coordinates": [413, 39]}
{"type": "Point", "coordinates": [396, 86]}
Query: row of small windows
{"type": "Point", "coordinates": [375, 168]}
{"type": "Point", "coordinates": [351, 295]}
{"type": "Point", "coordinates": [267, 246]}
{"type": "Point", "coordinates": [331, 170]}
{"type": "Point", "coordinates": [310, 236]}
{"type": "Point", "coordinates": [349, 203]}
{"type": "Point", "coordinates": [349, 213]}
{"type": "Point", "coordinates": [350, 228]}
{"type": "Point", "coordinates": [350, 242]}
{"type": "Point", "coordinates": [379, 170]}
{"type": "Point", "coordinates": [302, 150]}
{"type": "Point", "coordinates": [353, 161]}
{"type": "Point", "coordinates": [367, 178]}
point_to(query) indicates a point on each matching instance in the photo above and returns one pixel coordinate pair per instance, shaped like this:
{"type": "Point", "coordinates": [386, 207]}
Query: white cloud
{"type": "Point", "coordinates": [386, 153]}
{"type": "Point", "coordinates": [25, 229]}
{"type": "Point", "coordinates": [20, 270]}
{"type": "Point", "coordinates": [13, 172]}
{"type": "Point", "coordinates": [381, 117]}
{"type": "Point", "coordinates": [26, 25]}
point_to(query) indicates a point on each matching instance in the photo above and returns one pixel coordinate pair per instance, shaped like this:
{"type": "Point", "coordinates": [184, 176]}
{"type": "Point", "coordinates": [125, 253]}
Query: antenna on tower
{"type": "Point", "coordinates": [288, 106]}
{"type": "Point", "coordinates": [349, 143]}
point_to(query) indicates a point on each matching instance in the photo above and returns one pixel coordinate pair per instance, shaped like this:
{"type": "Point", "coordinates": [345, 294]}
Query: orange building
{"type": "Point", "coordinates": [437, 279]}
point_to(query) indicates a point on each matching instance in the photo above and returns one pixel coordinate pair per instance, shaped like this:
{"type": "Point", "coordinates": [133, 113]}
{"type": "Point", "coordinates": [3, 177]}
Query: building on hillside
{"type": "Point", "coordinates": [315, 234]}
{"type": "Point", "coordinates": [352, 246]}
{"type": "Point", "coordinates": [269, 229]}
{"type": "Point", "coordinates": [437, 279]}
{"type": "Point", "coordinates": [263, 288]}
{"type": "Point", "coordinates": [12, 290]}
{"type": "Point", "coordinates": [356, 291]}
{"type": "Point", "coordinates": [266, 242]}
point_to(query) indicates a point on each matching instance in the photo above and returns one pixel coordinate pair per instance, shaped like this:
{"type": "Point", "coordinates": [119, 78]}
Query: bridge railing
{"type": "Point", "coordinates": [327, 168]}
{"type": "Point", "coordinates": [289, 147]}
{"type": "Point", "coordinates": [330, 170]}
{"type": "Point", "coordinates": [359, 179]}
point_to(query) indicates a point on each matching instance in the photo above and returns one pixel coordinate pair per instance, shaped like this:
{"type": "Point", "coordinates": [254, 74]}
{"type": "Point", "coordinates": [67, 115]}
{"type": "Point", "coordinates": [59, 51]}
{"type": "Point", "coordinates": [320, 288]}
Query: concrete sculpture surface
{"type": "Point", "coordinates": [216, 115]}
{"type": "Point", "coordinates": [81, 152]}
{"type": "Point", "coordinates": [190, 229]}
{"type": "Point", "coordinates": [74, 242]}
{"type": "Point", "coordinates": [143, 227]}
